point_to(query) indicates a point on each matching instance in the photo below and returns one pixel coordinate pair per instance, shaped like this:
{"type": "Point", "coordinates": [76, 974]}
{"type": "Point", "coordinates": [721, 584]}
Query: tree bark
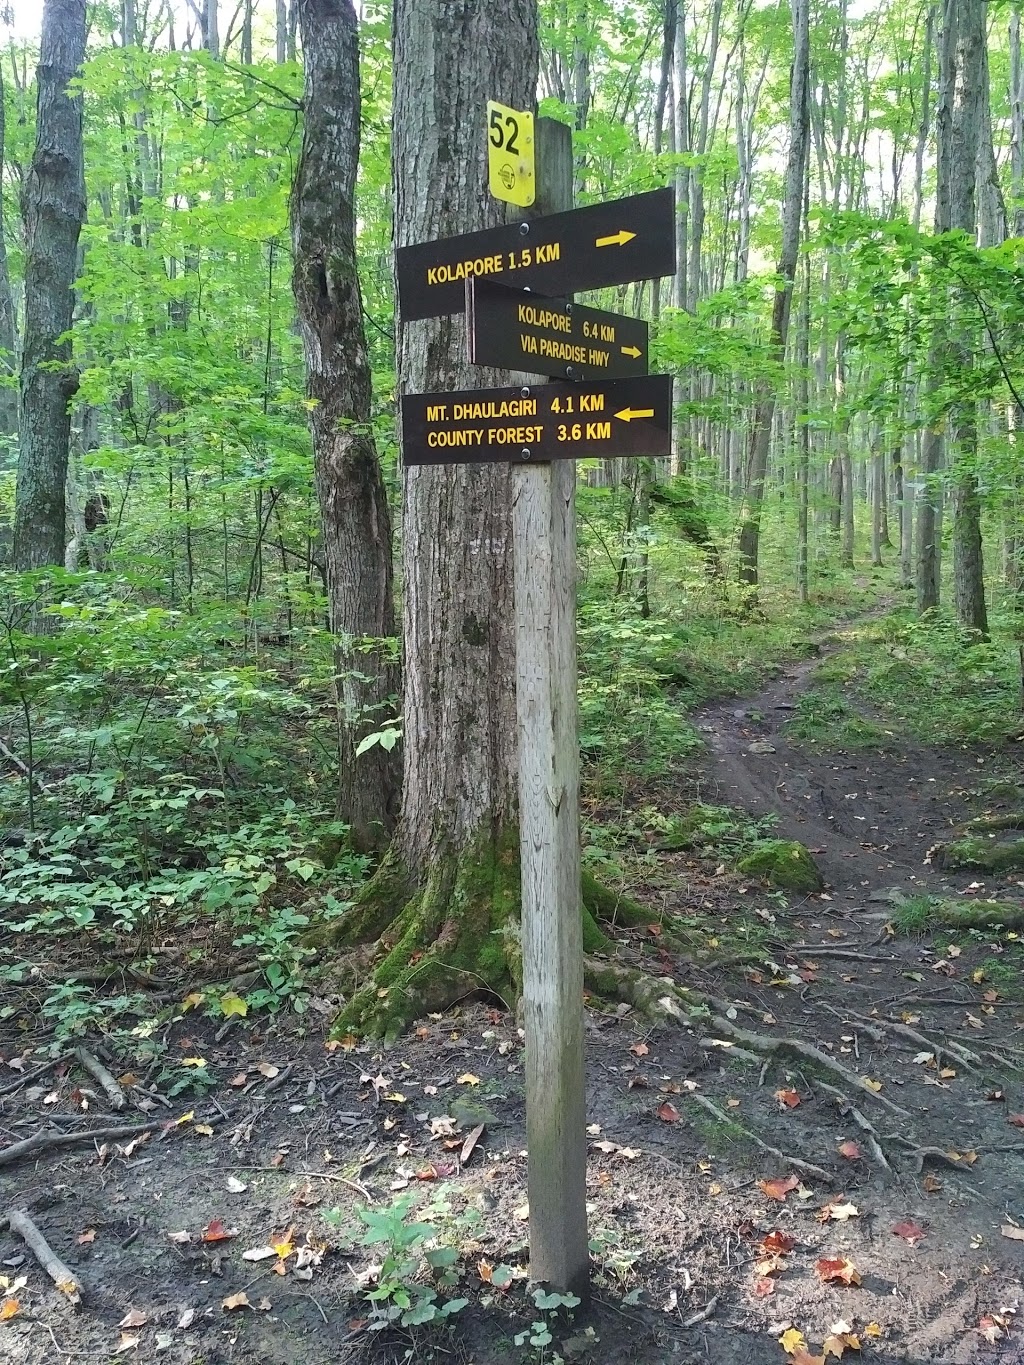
{"type": "Point", "coordinates": [54, 212]}
{"type": "Point", "coordinates": [8, 317]}
{"type": "Point", "coordinates": [442, 901]}
{"type": "Point", "coordinates": [970, 89]}
{"type": "Point", "coordinates": [760, 438]}
{"type": "Point", "coordinates": [350, 488]}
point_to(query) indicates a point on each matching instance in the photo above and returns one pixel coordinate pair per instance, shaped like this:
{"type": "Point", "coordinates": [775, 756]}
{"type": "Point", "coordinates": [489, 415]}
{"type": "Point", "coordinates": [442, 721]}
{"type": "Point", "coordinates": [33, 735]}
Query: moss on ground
{"type": "Point", "coordinates": [920, 913]}
{"type": "Point", "coordinates": [784, 864]}
{"type": "Point", "coordinates": [978, 854]}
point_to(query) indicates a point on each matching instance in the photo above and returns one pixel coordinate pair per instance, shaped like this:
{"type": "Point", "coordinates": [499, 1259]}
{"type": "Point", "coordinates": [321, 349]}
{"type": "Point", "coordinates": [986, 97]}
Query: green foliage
{"type": "Point", "coordinates": [401, 1296]}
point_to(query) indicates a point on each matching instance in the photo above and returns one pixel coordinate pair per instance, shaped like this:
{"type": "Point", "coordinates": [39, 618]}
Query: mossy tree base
{"type": "Point", "coordinates": [406, 951]}
{"type": "Point", "coordinates": [981, 853]}
{"type": "Point", "coordinates": [785, 865]}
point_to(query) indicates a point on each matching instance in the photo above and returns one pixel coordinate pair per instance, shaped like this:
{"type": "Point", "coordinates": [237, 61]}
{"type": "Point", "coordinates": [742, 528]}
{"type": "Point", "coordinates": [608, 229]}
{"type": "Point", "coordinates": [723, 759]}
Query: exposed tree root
{"type": "Point", "coordinates": [954, 1052]}
{"type": "Point", "coordinates": [45, 1141]}
{"type": "Point", "coordinates": [766, 1046]}
{"type": "Point", "coordinates": [99, 1072]}
{"type": "Point", "coordinates": [797, 1163]}
{"type": "Point", "coordinates": [850, 1110]}
{"type": "Point", "coordinates": [919, 1155]}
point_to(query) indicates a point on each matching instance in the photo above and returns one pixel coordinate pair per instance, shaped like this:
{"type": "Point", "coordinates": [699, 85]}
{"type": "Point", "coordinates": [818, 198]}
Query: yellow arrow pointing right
{"type": "Point", "coordinates": [627, 414]}
{"type": "Point", "coordinates": [619, 238]}
{"type": "Point", "coordinates": [634, 351]}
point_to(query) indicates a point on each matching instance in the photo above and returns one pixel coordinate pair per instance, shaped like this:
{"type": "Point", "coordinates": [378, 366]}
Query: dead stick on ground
{"type": "Point", "coordinates": [19, 1222]}
{"type": "Point", "coordinates": [27, 1076]}
{"type": "Point", "coordinates": [704, 1314]}
{"type": "Point", "coordinates": [99, 1073]}
{"type": "Point", "coordinates": [955, 1051]}
{"type": "Point", "coordinates": [44, 1141]}
{"type": "Point", "coordinates": [806, 1166]}
{"type": "Point", "coordinates": [762, 1043]}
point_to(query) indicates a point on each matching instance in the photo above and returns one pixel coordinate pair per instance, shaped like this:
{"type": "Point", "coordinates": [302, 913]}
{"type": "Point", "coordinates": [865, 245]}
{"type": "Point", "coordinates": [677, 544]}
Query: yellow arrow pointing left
{"type": "Point", "coordinates": [634, 351]}
{"type": "Point", "coordinates": [619, 238]}
{"type": "Point", "coordinates": [627, 414]}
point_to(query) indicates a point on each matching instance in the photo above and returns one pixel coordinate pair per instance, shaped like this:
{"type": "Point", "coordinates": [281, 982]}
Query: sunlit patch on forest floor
{"type": "Point", "coordinates": [824, 1158]}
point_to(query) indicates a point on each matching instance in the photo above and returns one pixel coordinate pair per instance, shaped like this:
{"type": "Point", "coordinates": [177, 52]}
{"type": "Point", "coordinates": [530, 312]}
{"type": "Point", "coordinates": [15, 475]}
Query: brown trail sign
{"type": "Point", "coordinates": [562, 253]}
{"type": "Point", "coordinates": [542, 429]}
{"type": "Point", "coordinates": [536, 422]}
{"type": "Point", "coordinates": [512, 329]}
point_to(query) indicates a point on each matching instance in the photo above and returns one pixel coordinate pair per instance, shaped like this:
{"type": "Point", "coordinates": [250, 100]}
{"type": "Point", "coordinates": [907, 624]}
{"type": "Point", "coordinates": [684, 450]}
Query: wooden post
{"type": "Point", "coordinates": [544, 529]}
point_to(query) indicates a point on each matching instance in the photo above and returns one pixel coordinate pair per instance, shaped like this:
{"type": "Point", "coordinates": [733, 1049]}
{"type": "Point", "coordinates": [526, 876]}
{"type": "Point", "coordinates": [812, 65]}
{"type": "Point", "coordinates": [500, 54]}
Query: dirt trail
{"type": "Point", "coordinates": [289, 1131]}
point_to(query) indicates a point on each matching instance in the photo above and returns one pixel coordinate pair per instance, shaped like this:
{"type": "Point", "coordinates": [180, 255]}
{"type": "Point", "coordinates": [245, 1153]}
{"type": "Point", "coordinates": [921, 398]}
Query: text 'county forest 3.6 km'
{"type": "Point", "coordinates": [541, 422]}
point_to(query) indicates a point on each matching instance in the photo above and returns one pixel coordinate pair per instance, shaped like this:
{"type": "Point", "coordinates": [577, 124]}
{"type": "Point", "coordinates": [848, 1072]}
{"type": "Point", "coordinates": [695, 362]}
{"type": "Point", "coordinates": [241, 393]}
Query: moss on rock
{"type": "Point", "coordinates": [784, 864]}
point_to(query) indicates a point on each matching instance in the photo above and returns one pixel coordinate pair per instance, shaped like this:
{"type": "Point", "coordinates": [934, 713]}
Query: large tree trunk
{"type": "Point", "coordinates": [443, 897]}
{"type": "Point", "coordinates": [353, 502]}
{"type": "Point", "coordinates": [8, 322]}
{"type": "Point", "coordinates": [54, 212]}
{"type": "Point", "coordinates": [792, 213]}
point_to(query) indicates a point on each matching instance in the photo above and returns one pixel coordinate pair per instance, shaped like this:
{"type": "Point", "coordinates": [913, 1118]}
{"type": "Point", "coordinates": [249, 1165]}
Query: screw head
{"type": "Point", "coordinates": [525, 453]}
{"type": "Point", "coordinates": [524, 393]}
{"type": "Point", "coordinates": [524, 229]}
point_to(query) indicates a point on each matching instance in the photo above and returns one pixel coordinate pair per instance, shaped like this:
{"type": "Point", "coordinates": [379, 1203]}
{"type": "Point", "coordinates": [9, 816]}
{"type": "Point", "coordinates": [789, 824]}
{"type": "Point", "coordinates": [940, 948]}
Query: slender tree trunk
{"type": "Point", "coordinates": [281, 31]}
{"type": "Point", "coordinates": [54, 212]}
{"type": "Point", "coordinates": [757, 459]}
{"type": "Point", "coordinates": [968, 566]}
{"type": "Point", "coordinates": [932, 446]}
{"type": "Point", "coordinates": [8, 318]}
{"type": "Point", "coordinates": [353, 502]}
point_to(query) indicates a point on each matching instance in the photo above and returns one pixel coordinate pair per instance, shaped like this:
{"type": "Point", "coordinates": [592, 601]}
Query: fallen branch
{"type": "Point", "coordinates": [27, 1076]}
{"type": "Point", "coordinates": [20, 1223]}
{"type": "Point", "coordinates": [920, 1155]}
{"type": "Point", "coordinates": [45, 1141]}
{"type": "Point", "coordinates": [762, 1043]}
{"type": "Point", "coordinates": [798, 1163]}
{"type": "Point", "coordinates": [100, 1074]}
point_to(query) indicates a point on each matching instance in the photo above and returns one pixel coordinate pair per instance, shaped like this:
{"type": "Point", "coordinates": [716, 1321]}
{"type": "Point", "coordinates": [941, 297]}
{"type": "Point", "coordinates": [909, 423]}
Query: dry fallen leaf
{"type": "Point", "coordinates": [792, 1340]}
{"type": "Point", "coordinates": [931, 1184]}
{"type": "Point", "coordinates": [8, 1309]}
{"type": "Point", "coordinates": [788, 1099]}
{"type": "Point", "coordinates": [89, 1235]}
{"type": "Point", "coordinates": [910, 1232]}
{"type": "Point", "coordinates": [640, 1049]}
{"type": "Point", "coordinates": [187, 1318]}
{"type": "Point", "coordinates": [235, 1185]}
{"type": "Point", "coordinates": [667, 1112]}
{"type": "Point", "coordinates": [833, 1269]}
{"type": "Point", "coordinates": [134, 1318]}
{"type": "Point", "coordinates": [239, 1300]}
{"type": "Point", "coordinates": [128, 1343]}
{"type": "Point", "coordinates": [779, 1188]}
{"type": "Point", "coordinates": [467, 1078]}
{"type": "Point", "coordinates": [776, 1242]}
{"type": "Point", "coordinates": [469, 1145]}
{"type": "Point", "coordinates": [851, 1150]}
{"type": "Point", "coordinates": [215, 1231]}
{"type": "Point", "coordinates": [1015, 1234]}
{"type": "Point", "coordinates": [873, 1086]}
{"type": "Point", "coordinates": [1017, 1120]}
{"type": "Point", "coordinates": [268, 1069]}
{"type": "Point", "coordinates": [183, 1236]}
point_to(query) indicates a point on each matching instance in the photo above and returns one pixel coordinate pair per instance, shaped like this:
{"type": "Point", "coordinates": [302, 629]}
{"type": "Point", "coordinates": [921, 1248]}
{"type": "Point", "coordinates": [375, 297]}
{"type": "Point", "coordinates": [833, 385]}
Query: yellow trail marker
{"type": "Point", "coordinates": [619, 238]}
{"type": "Point", "coordinates": [627, 414]}
{"type": "Point", "coordinates": [634, 351]}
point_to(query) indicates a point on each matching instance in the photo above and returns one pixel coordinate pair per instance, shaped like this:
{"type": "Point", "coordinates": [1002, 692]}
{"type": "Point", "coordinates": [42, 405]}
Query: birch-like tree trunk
{"type": "Point", "coordinates": [8, 317]}
{"type": "Point", "coordinates": [54, 212]}
{"type": "Point", "coordinates": [350, 488]}
{"type": "Point", "coordinates": [792, 213]}
{"type": "Point", "coordinates": [968, 563]}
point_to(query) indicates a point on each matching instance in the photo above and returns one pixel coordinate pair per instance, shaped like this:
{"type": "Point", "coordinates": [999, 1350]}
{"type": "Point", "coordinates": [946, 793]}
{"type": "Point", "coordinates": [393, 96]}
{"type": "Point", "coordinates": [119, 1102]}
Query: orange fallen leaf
{"type": "Point", "coordinates": [667, 1112]}
{"type": "Point", "coordinates": [8, 1309]}
{"type": "Point", "coordinates": [239, 1300]}
{"type": "Point", "coordinates": [215, 1231]}
{"type": "Point", "coordinates": [910, 1232]}
{"type": "Point", "coordinates": [763, 1287]}
{"type": "Point", "coordinates": [89, 1235]}
{"type": "Point", "coordinates": [788, 1099]}
{"type": "Point", "coordinates": [851, 1150]}
{"type": "Point", "coordinates": [779, 1188]}
{"type": "Point", "coordinates": [873, 1329]}
{"type": "Point", "coordinates": [802, 1357]}
{"type": "Point", "coordinates": [640, 1049]}
{"type": "Point", "coordinates": [777, 1241]}
{"type": "Point", "coordinates": [931, 1184]}
{"type": "Point", "coordinates": [833, 1269]}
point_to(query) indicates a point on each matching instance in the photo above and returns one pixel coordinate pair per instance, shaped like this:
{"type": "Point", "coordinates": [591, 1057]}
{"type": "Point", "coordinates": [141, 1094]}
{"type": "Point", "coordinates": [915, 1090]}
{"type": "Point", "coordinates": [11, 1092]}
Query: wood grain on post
{"type": "Point", "coordinates": [544, 523]}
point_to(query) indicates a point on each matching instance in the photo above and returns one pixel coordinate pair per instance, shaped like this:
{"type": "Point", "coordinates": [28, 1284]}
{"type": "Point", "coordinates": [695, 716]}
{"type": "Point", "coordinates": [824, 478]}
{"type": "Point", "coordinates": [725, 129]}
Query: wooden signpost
{"type": "Point", "coordinates": [542, 429]}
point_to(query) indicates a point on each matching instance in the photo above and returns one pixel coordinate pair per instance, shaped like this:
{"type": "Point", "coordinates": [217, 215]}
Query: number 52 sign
{"type": "Point", "coordinates": [511, 171]}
